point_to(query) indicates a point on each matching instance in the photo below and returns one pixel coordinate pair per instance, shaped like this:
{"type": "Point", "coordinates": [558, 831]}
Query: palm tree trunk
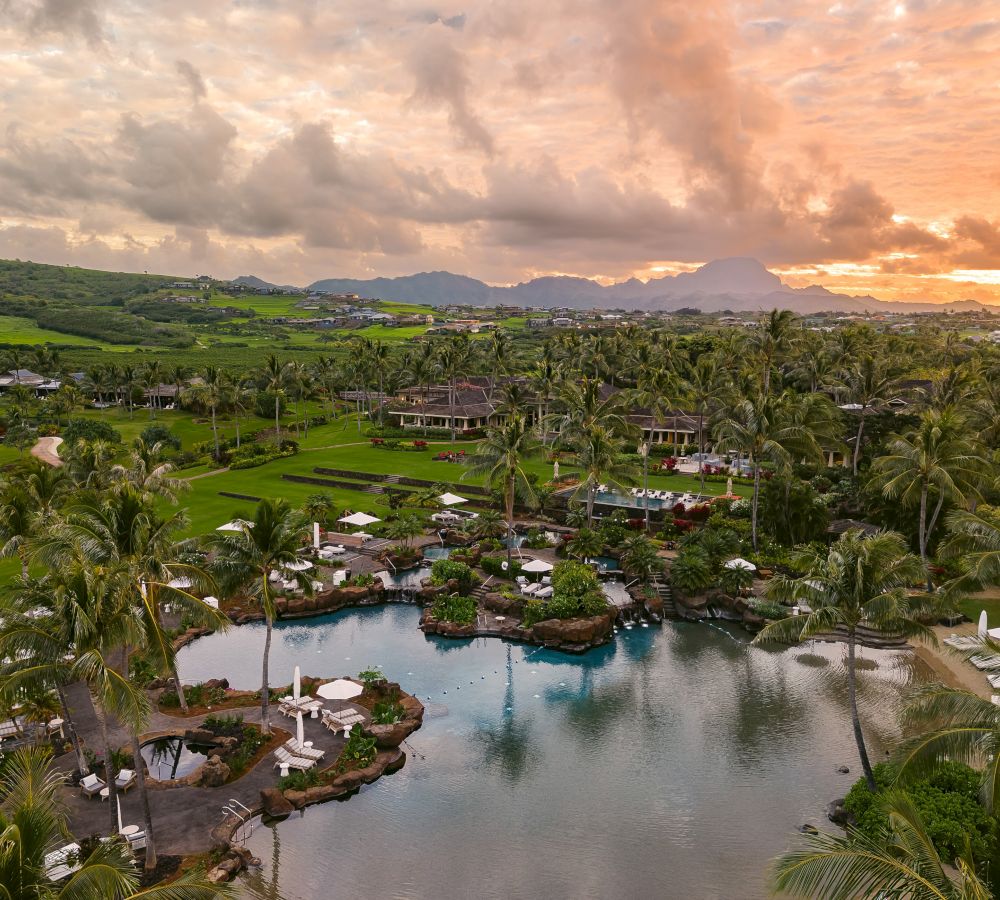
{"type": "Point", "coordinates": [922, 534]}
{"type": "Point", "coordinates": [857, 443]}
{"type": "Point", "coordinates": [645, 484]}
{"type": "Point", "coordinates": [451, 398]}
{"type": "Point", "coordinates": [590, 503]}
{"type": "Point", "coordinates": [147, 816]}
{"type": "Point", "coordinates": [81, 759]}
{"type": "Point", "coordinates": [265, 724]}
{"type": "Point", "coordinates": [701, 449]}
{"type": "Point", "coordinates": [510, 518]}
{"type": "Point", "coordinates": [753, 509]}
{"type": "Point", "coordinates": [109, 777]}
{"type": "Point", "coordinates": [277, 422]}
{"type": "Point", "coordinates": [215, 434]}
{"type": "Point", "coordinates": [180, 689]}
{"type": "Point", "coordinates": [852, 690]}
{"type": "Point", "coordinates": [236, 418]}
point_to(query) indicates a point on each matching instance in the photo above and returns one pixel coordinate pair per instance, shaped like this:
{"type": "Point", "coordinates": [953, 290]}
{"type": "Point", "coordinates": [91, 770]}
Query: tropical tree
{"type": "Point", "coordinates": [488, 524]}
{"type": "Point", "coordinates": [501, 459]}
{"type": "Point", "coordinates": [936, 463]}
{"type": "Point", "coordinates": [599, 455]}
{"type": "Point", "coordinates": [33, 822]}
{"type": "Point", "coordinates": [405, 529]}
{"type": "Point", "coordinates": [17, 523]}
{"type": "Point", "coordinates": [701, 383]}
{"type": "Point", "coordinates": [421, 366]}
{"type": "Point", "coordinates": [210, 393]}
{"type": "Point", "coordinates": [243, 564]}
{"type": "Point", "coordinates": [586, 543]}
{"type": "Point", "coordinates": [901, 861]}
{"type": "Point", "coordinates": [869, 387]}
{"type": "Point", "coordinates": [318, 507]}
{"type": "Point", "coordinates": [274, 377]}
{"type": "Point", "coordinates": [859, 581]}
{"type": "Point", "coordinates": [974, 541]}
{"type": "Point", "coordinates": [639, 557]}
{"type": "Point", "coordinates": [765, 430]}
{"type": "Point", "coordinates": [774, 336]}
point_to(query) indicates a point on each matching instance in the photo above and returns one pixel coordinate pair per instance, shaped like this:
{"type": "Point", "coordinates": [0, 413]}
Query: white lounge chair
{"type": "Point", "coordinates": [284, 758]}
{"type": "Point", "coordinates": [300, 750]}
{"type": "Point", "coordinates": [124, 780]}
{"type": "Point", "coordinates": [962, 642]}
{"type": "Point", "coordinates": [9, 729]}
{"type": "Point", "coordinates": [545, 592]}
{"type": "Point", "coordinates": [92, 785]}
{"type": "Point", "coordinates": [994, 680]}
{"type": "Point", "coordinates": [529, 589]}
{"type": "Point", "coordinates": [985, 662]}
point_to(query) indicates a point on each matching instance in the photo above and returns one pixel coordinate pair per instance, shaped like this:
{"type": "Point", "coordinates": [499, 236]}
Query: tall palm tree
{"type": "Point", "coordinates": [858, 581]}
{"type": "Point", "coordinates": [869, 387]}
{"type": "Point", "coordinates": [599, 454]}
{"type": "Point", "coordinates": [17, 523]}
{"type": "Point", "coordinates": [454, 358]}
{"type": "Point", "coordinates": [328, 374]}
{"type": "Point", "coordinates": [501, 459]}
{"type": "Point", "coordinates": [498, 348]}
{"type": "Point", "coordinates": [764, 429]}
{"type": "Point", "coordinates": [700, 385]}
{"type": "Point", "coordinates": [210, 393]}
{"type": "Point", "coordinates": [974, 540]}
{"type": "Point", "coordinates": [901, 861]}
{"type": "Point", "coordinates": [421, 365]}
{"type": "Point", "coordinates": [274, 377]}
{"type": "Point", "coordinates": [937, 462]}
{"type": "Point", "coordinates": [33, 822]}
{"type": "Point", "coordinates": [773, 337]}
{"type": "Point", "coordinates": [243, 564]}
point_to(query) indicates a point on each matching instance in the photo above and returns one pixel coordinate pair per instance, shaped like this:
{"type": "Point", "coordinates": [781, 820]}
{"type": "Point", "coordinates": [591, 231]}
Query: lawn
{"type": "Point", "coordinates": [971, 607]}
{"type": "Point", "coordinates": [17, 330]}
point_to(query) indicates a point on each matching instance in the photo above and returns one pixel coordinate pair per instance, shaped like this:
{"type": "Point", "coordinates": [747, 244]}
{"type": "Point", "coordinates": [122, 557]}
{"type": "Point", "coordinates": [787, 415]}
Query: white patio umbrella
{"type": "Point", "coordinates": [296, 684]}
{"type": "Point", "coordinates": [300, 565]}
{"type": "Point", "coordinates": [451, 499]}
{"type": "Point", "coordinates": [316, 535]}
{"type": "Point", "coordinates": [740, 563]}
{"type": "Point", "coordinates": [982, 624]}
{"type": "Point", "coordinates": [537, 565]}
{"type": "Point", "coordinates": [360, 519]}
{"type": "Point", "coordinates": [118, 799]}
{"type": "Point", "coordinates": [182, 583]}
{"type": "Point", "coordinates": [235, 525]}
{"type": "Point", "coordinates": [341, 689]}
{"type": "Point", "coordinates": [300, 734]}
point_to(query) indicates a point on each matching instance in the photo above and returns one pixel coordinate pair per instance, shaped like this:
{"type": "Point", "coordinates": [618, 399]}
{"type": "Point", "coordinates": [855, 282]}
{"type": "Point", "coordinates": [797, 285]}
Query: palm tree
{"type": "Point", "coordinates": [859, 581]}
{"type": "Point", "coordinates": [210, 394]}
{"type": "Point", "coordinates": [328, 374]}
{"type": "Point", "coordinates": [501, 459]}
{"type": "Point", "coordinates": [974, 540]}
{"type": "Point", "coordinates": [245, 560]}
{"type": "Point", "coordinates": [453, 359]}
{"type": "Point", "coordinates": [17, 523]}
{"type": "Point", "coordinates": [639, 557]}
{"type": "Point", "coordinates": [33, 822]}
{"type": "Point", "coordinates": [937, 462]}
{"type": "Point", "coordinates": [146, 471]}
{"type": "Point", "coordinates": [764, 429]}
{"type": "Point", "coordinates": [701, 386]}
{"type": "Point", "coordinates": [869, 387]}
{"type": "Point", "coordinates": [902, 861]}
{"type": "Point", "coordinates": [498, 349]}
{"type": "Point", "coordinates": [599, 455]}
{"type": "Point", "coordinates": [488, 524]}
{"type": "Point", "coordinates": [318, 507]}
{"type": "Point", "coordinates": [421, 366]}
{"type": "Point", "coordinates": [404, 529]}
{"type": "Point", "coordinates": [275, 380]}
{"type": "Point", "coordinates": [773, 336]}
{"type": "Point", "coordinates": [586, 543]}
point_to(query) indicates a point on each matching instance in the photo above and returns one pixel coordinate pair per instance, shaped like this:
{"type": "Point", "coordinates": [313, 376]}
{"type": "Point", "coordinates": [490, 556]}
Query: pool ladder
{"type": "Point", "coordinates": [244, 814]}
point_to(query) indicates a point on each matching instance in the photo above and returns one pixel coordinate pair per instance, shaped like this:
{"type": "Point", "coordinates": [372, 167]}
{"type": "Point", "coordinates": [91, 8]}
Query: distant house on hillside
{"type": "Point", "coordinates": [371, 315]}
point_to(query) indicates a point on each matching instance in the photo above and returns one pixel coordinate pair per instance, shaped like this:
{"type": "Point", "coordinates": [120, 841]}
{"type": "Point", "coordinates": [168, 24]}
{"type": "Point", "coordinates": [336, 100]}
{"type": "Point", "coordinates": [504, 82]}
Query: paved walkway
{"type": "Point", "coordinates": [182, 816]}
{"type": "Point", "coordinates": [46, 449]}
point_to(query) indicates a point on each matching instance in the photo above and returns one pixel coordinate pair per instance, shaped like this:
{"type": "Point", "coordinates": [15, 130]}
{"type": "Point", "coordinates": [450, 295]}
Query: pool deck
{"type": "Point", "coordinates": [183, 817]}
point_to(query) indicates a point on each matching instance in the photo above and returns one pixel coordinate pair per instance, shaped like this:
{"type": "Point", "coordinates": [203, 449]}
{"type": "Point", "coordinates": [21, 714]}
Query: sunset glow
{"type": "Point", "coordinates": [849, 144]}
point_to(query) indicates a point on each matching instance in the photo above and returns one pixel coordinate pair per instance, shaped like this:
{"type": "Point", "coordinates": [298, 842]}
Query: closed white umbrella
{"type": "Point", "coordinates": [341, 689]}
{"type": "Point", "coordinates": [360, 519]}
{"type": "Point", "coordinates": [451, 499]}
{"type": "Point", "coordinates": [300, 734]}
{"type": "Point", "coordinates": [537, 565]}
{"type": "Point", "coordinates": [119, 801]}
{"type": "Point", "coordinates": [982, 624]}
{"type": "Point", "coordinates": [296, 684]}
{"type": "Point", "coordinates": [316, 535]}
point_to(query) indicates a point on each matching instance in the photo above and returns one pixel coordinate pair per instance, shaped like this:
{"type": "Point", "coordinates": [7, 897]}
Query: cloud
{"type": "Point", "coordinates": [195, 83]}
{"type": "Point", "coordinates": [71, 18]}
{"type": "Point", "coordinates": [440, 74]}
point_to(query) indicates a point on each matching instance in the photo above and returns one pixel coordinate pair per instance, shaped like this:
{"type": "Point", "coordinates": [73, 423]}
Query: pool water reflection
{"type": "Point", "coordinates": [675, 762]}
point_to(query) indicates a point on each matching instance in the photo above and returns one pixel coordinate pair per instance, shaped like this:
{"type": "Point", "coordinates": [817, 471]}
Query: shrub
{"type": "Point", "coordinates": [364, 579]}
{"type": "Point", "coordinates": [948, 802]}
{"type": "Point", "coordinates": [196, 695]}
{"type": "Point", "coordinates": [692, 572]}
{"type": "Point", "coordinates": [387, 712]}
{"type": "Point", "coordinates": [494, 565]}
{"type": "Point", "coordinates": [358, 749]}
{"type": "Point", "coordinates": [158, 433]}
{"type": "Point", "coordinates": [90, 430]}
{"type": "Point", "coordinates": [370, 676]}
{"type": "Point", "coordinates": [299, 781]}
{"type": "Point", "coordinates": [445, 570]}
{"type": "Point", "coordinates": [576, 592]}
{"type": "Point", "coordinates": [455, 608]}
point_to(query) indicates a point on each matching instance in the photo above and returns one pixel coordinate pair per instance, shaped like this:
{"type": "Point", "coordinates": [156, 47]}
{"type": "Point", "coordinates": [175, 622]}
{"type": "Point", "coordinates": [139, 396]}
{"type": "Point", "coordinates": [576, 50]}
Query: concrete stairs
{"type": "Point", "coordinates": [666, 595]}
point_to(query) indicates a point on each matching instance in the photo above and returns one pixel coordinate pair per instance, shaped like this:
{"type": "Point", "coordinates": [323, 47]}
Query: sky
{"type": "Point", "coordinates": [852, 144]}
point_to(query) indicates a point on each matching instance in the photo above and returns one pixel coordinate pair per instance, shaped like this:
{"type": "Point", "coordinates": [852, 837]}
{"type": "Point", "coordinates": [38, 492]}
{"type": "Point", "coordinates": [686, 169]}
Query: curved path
{"type": "Point", "coordinates": [46, 449]}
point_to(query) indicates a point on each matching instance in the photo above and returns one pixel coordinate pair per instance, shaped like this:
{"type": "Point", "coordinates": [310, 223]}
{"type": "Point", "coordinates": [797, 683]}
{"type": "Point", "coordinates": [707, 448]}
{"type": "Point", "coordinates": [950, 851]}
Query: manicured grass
{"type": "Point", "coordinates": [16, 330]}
{"type": "Point", "coordinates": [971, 607]}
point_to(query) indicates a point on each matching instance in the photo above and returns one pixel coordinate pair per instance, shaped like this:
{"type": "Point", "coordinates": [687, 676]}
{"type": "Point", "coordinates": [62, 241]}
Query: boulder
{"type": "Point", "coordinates": [296, 606]}
{"type": "Point", "coordinates": [199, 736]}
{"type": "Point", "coordinates": [370, 773]}
{"type": "Point", "coordinates": [554, 632]}
{"type": "Point", "coordinates": [321, 793]}
{"type": "Point", "coordinates": [274, 803]}
{"type": "Point", "coordinates": [296, 798]}
{"type": "Point", "coordinates": [214, 773]}
{"type": "Point", "coordinates": [839, 815]}
{"type": "Point", "coordinates": [214, 683]}
{"type": "Point", "coordinates": [350, 780]}
{"type": "Point", "coordinates": [504, 606]}
{"type": "Point", "coordinates": [391, 760]}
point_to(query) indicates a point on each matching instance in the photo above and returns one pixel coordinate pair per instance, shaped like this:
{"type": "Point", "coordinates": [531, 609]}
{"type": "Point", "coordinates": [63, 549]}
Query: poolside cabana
{"type": "Point", "coordinates": [359, 519]}
{"type": "Point", "coordinates": [450, 499]}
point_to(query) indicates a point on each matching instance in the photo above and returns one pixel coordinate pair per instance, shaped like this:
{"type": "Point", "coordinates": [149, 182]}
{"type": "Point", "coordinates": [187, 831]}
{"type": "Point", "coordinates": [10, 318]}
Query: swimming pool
{"type": "Point", "coordinates": [171, 757]}
{"type": "Point", "coordinates": [433, 553]}
{"type": "Point", "coordinates": [674, 762]}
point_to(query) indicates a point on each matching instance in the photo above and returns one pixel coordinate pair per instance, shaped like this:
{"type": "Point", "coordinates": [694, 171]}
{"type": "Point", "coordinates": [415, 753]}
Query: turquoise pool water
{"type": "Point", "coordinates": [674, 763]}
{"type": "Point", "coordinates": [433, 553]}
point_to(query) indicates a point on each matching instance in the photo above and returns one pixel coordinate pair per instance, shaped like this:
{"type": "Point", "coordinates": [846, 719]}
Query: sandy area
{"type": "Point", "coordinates": [47, 450]}
{"type": "Point", "coordinates": [950, 667]}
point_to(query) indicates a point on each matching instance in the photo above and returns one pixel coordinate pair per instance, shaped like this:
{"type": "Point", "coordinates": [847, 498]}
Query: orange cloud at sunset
{"type": "Point", "coordinates": [850, 144]}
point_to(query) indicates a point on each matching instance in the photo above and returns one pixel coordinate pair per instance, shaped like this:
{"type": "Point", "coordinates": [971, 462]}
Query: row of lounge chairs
{"type": "Point", "coordinates": [306, 705]}
{"type": "Point", "coordinates": [343, 720]}
{"type": "Point", "coordinates": [330, 551]}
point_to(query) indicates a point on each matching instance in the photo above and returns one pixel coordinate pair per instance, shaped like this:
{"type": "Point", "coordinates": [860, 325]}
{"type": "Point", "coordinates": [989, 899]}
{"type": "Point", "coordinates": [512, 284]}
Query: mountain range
{"type": "Point", "coordinates": [737, 284]}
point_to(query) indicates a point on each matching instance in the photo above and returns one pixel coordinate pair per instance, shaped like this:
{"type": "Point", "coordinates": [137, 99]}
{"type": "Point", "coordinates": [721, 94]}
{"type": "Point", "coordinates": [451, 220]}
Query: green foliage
{"type": "Point", "coordinates": [535, 610]}
{"type": "Point", "coordinates": [387, 712]}
{"type": "Point", "coordinates": [298, 780]}
{"type": "Point", "coordinates": [769, 609]}
{"type": "Point", "coordinates": [363, 579]}
{"type": "Point", "coordinates": [158, 433]}
{"type": "Point", "coordinates": [494, 565]}
{"type": "Point", "coordinates": [370, 676]}
{"type": "Point", "coordinates": [111, 326]}
{"type": "Point", "coordinates": [948, 802]}
{"type": "Point", "coordinates": [248, 456]}
{"type": "Point", "coordinates": [455, 608]}
{"type": "Point", "coordinates": [575, 592]}
{"type": "Point", "coordinates": [445, 570]}
{"type": "Point", "coordinates": [358, 749]}
{"type": "Point", "coordinates": [89, 430]}
{"type": "Point", "coordinates": [195, 694]}
{"type": "Point", "coordinates": [792, 511]}
{"type": "Point", "coordinates": [692, 571]}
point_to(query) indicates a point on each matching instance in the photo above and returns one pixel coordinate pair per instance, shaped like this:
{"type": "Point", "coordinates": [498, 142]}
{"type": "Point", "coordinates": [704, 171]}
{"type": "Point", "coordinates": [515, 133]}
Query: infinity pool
{"type": "Point", "coordinates": [675, 762]}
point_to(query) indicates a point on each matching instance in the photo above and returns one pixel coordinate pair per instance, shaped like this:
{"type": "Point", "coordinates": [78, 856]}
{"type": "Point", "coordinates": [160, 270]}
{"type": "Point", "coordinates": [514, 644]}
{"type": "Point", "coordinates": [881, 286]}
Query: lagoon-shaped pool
{"type": "Point", "coordinates": [675, 762]}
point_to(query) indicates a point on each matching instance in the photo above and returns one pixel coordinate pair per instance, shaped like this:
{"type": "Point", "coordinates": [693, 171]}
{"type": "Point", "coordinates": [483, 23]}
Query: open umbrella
{"type": "Point", "coordinates": [360, 519]}
{"type": "Point", "coordinates": [235, 525]}
{"type": "Point", "coordinates": [296, 684]}
{"type": "Point", "coordinates": [740, 563]}
{"type": "Point", "coordinates": [300, 565]}
{"type": "Point", "coordinates": [537, 565]}
{"type": "Point", "coordinates": [300, 734]}
{"type": "Point", "coordinates": [341, 689]}
{"type": "Point", "coordinates": [451, 499]}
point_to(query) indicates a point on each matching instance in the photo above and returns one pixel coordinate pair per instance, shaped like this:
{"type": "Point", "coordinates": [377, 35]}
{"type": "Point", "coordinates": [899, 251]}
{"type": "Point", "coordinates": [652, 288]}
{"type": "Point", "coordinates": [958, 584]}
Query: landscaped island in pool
{"type": "Point", "coordinates": [675, 762]}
